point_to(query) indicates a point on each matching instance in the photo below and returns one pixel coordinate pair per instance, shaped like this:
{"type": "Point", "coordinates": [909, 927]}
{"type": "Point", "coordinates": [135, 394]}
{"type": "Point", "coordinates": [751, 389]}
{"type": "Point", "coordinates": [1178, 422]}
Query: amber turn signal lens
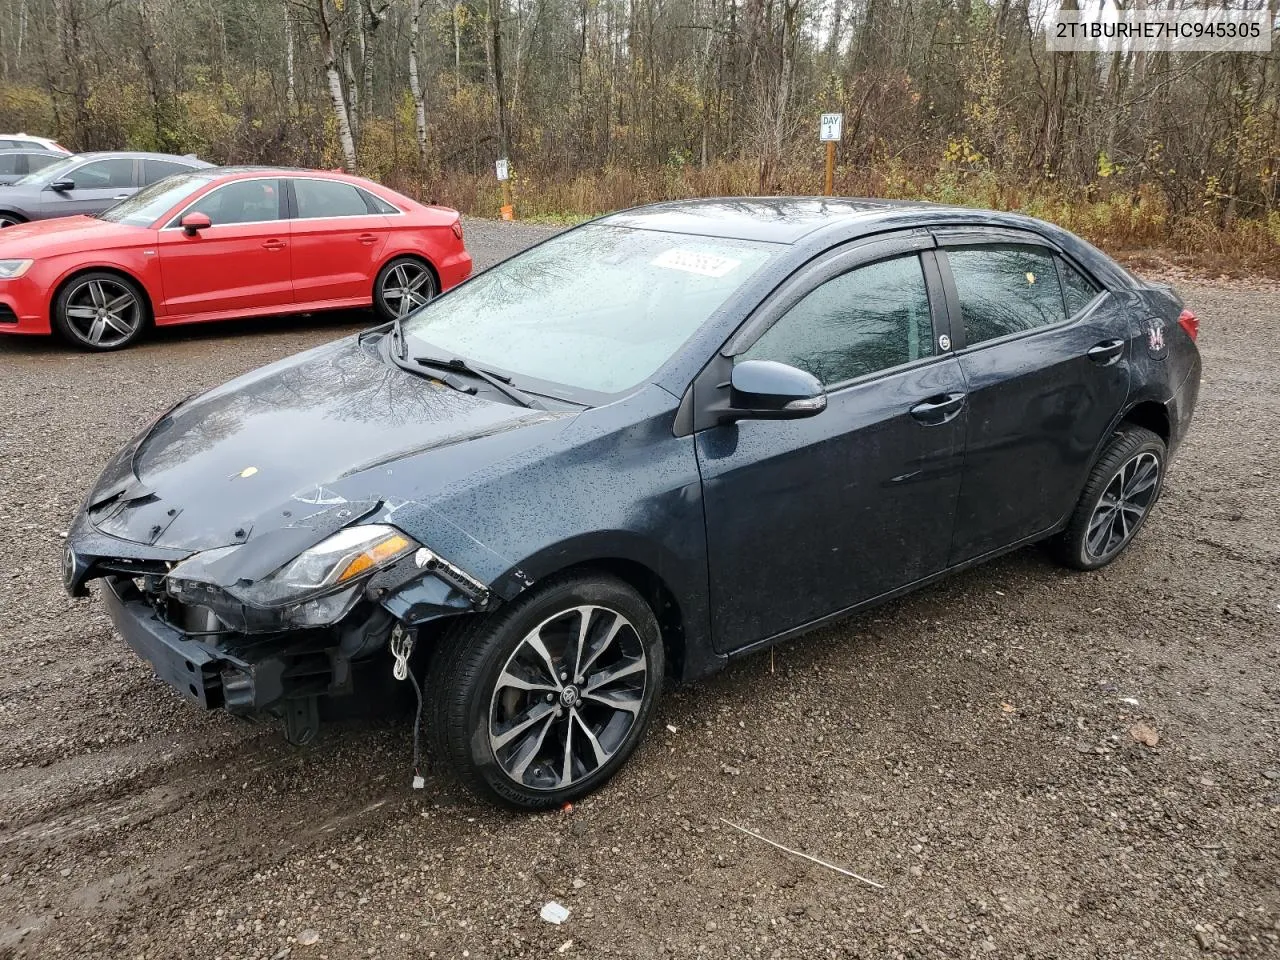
{"type": "Point", "coordinates": [377, 554]}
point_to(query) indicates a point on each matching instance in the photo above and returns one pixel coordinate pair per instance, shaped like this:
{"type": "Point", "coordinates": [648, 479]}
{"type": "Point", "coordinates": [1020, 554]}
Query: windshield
{"type": "Point", "coordinates": [49, 173]}
{"type": "Point", "coordinates": [599, 308]}
{"type": "Point", "coordinates": [150, 203]}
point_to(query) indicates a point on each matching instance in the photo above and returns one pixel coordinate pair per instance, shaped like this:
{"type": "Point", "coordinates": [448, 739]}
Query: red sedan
{"type": "Point", "coordinates": [220, 243]}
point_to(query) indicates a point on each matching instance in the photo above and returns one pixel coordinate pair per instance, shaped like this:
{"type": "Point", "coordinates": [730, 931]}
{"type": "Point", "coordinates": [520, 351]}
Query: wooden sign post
{"type": "Point", "coordinates": [829, 130]}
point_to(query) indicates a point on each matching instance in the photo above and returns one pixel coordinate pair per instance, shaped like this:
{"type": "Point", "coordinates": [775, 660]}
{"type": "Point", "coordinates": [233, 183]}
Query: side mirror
{"type": "Point", "coordinates": [769, 390]}
{"type": "Point", "coordinates": [193, 223]}
{"type": "Point", "coordinates": [63, 185]}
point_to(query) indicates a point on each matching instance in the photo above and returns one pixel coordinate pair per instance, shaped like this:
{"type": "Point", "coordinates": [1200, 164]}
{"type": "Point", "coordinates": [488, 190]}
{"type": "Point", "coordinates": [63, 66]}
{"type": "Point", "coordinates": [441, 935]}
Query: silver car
{"type": "Point", "coordinates": [86, 183]}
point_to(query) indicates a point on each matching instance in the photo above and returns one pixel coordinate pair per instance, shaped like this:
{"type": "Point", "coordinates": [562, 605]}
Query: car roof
{"type": "Point", "coordinates": [774, 219]}
{"type": "Point", "coordinates": [138, 155]}
{"type": "Point", "coordinates": [41, 151]}
{"type": "Point", "coordinates": [248, 170]}
{"type": "Point", "coordinates": [793, 219]}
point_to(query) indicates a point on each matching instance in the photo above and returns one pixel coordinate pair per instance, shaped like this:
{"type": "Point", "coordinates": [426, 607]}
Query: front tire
{"type": "Point", "coordinates": [100, 311]}
{"type": "Point", "coordinates": [1123, 488]}
{"type": "Point", "coordinates": [543, 701]}
{"type": "Point", "coordinates": [402, 286]}
{"type": "Point", "coordinates": [8, 219]}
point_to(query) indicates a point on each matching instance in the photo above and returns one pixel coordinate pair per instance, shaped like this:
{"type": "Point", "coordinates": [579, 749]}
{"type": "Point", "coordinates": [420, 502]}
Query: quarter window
{"type": "Point", "coordinates": [864, 321]}
{"type": "Point", "coordinates": [328, 198]}
{"type": "Point", "coordinates": [11, 163]}
{"type": "Point", "coordinates": [1077, 289]}
{"type": "Point", "coordinates": [376, 204]}
{"type": "Point", "coordinates": [241, 201]}
{"type": "Point", "coordinates": [103, 174]}
{"type": "Point", "coordinates": [1005, 288]}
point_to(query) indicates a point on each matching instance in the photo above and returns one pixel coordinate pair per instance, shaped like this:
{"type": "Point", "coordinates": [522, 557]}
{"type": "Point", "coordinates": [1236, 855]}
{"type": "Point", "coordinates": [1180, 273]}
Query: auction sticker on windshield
{"type": "Point", "coordinates": [690, 261]}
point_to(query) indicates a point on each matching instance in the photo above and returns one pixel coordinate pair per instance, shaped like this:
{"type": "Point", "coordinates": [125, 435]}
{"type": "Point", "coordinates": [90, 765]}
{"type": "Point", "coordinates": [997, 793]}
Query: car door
{"type": "Point", "coordinates": [1046, 363]}
{"type": "Point", "coordinates": [240, 263]}
{"type": "Point", "coordinates": [805, 518]}
{"type": "Point", "coordinates": [337, 240]}
{"type": "Point", "coordinates": [95, 186]}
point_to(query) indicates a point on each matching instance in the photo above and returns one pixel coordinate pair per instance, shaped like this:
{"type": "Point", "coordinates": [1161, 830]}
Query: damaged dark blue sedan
{"type": "Point", "coordinates": [661, 440]}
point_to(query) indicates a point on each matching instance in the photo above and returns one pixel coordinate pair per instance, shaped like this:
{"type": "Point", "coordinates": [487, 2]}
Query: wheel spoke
{"type": "Point", "coordinates": [566, 768]}
{"type": "Point", "coordinates": [1142, 480]}
{"type": "Point", "coordinates": [605, 642]}
{"type": "Point", "coordinates": [118, 324]}
{"type": "Point", "coordinates": [416, 282]}
{"type": "Point", "coordinates": [95, 293]}
{"type": "Point", "coordinates": [81, 312]}
{"type": "Point", "coordinates": [531, 750]}
{"type": "Point", "coordinates": [1098, 536]}
{"type": "Point", "coordinates": [539, 711]}
{"type": "Point", "coordinates": [119, 303]}
{"type": "Point", "coordinates": [534, 642]}
{"type": "Point", "coordinates": [616, 700]}
{"type": "Point", "coordinates": [601, 755]}
{"type": "Point", "coordinates": [96, 330]}
{"type": "Point", "coordinates": [606, 677]}
{"type": "Point", "coordinates": [509, 679]}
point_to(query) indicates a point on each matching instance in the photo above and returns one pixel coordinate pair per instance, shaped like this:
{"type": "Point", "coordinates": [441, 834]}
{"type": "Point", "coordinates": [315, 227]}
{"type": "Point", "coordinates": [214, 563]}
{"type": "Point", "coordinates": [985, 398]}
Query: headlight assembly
{"type": "Point", "coordinates": [11, 269]}
{"type": "Point", "coordinates": [317, 587]}
{"type": "Point", "coordinates": [338, 560]}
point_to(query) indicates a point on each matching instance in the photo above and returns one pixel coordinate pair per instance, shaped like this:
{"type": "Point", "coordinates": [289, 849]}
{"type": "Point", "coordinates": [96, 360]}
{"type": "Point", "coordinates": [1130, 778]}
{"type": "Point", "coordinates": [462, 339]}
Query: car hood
{"type": "Point", "coordinates": [45, 236]}
{"type": "Point", "coordinates": [331, 434]}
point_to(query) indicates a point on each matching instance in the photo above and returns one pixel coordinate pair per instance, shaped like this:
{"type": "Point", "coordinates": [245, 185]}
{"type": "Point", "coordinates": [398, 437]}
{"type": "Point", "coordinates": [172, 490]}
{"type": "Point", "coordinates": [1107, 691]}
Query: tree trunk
{"type": "Point", "coordinates": [457, 48]}
{"type": "Point", "coordinates": [353, 91]}
{"type": "Point", "coordinates": [495, 76]}
{"type": "Point", "coordinates": [370, 22]}
{"type": "Point", "coordinates": [291, 90]}
{"type": "Point", "coordinates": [415, 86]}
{"type": "Point", "coordinates": [147, 48]}
{"type": "Point", "coordinates": [336, 96]}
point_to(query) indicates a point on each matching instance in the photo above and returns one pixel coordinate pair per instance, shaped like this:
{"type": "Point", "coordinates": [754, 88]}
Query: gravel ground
{"type": "Point", "coordinates": [969, 747]}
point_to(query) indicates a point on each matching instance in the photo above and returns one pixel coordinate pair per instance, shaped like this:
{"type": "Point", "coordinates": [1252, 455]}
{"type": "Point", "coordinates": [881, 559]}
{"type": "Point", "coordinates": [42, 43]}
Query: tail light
{"type": "Point", "coordinates": [457, 232]}
{"type": "Point", "coordinates": [1189, 322]}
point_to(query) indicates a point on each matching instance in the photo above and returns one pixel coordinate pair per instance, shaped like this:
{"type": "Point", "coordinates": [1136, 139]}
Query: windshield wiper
{"type": "Point", "coordinates": [410, 367]}
{"type": "Point", "coordinates": [498, 381]}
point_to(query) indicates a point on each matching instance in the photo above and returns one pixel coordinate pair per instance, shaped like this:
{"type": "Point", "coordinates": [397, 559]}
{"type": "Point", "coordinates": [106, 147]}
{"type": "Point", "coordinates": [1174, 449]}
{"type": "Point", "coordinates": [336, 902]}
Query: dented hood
{"type": "Point", "coordinates": [321, 435]}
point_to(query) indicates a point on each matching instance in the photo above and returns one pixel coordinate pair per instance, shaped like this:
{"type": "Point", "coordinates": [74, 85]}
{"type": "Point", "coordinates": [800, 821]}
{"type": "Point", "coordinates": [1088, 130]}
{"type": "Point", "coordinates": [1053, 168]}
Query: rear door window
{"type": "Point", "coordinates": [328, 198]}
{"type": "Point", "coordinates": [1077, 289]}
{"type": "Point", "coordinates": [155, 170]}
{"type": "Point", "coordinates": [1005, 288]}
{"type": "Point", "coordinates": [11, 164]}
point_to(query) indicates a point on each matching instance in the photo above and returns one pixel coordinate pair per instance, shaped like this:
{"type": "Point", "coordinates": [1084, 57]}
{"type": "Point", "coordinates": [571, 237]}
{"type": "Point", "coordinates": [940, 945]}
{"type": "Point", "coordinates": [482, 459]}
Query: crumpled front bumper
{"type": "Point", "coordinates": [211, 673]}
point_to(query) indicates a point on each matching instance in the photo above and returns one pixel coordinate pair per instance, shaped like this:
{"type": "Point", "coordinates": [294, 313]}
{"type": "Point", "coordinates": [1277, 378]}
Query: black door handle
{"type": "Point", "coordinates": [939, 409]}
{"type": "Point", "coordinates": [1107, 352]}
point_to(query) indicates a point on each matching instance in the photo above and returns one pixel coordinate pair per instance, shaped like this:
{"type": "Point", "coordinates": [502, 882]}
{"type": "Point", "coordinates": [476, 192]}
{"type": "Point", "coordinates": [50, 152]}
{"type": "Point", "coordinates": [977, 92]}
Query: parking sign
{"type": "Point", "coordinates": [831, 126]}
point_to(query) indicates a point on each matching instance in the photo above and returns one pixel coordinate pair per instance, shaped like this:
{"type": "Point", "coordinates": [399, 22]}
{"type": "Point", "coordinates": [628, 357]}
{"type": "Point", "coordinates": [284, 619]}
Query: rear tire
{"type": "Point", "coordinates": [1122, 490]}
{"type": "Point", "coordinates": [100, 311]}
{"type": "Point", "coordinates": [402, 286]}
{"type": "Point", "coordinates": [527, 714]}
{"type": "Point", "coordinates": [8, 219]}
